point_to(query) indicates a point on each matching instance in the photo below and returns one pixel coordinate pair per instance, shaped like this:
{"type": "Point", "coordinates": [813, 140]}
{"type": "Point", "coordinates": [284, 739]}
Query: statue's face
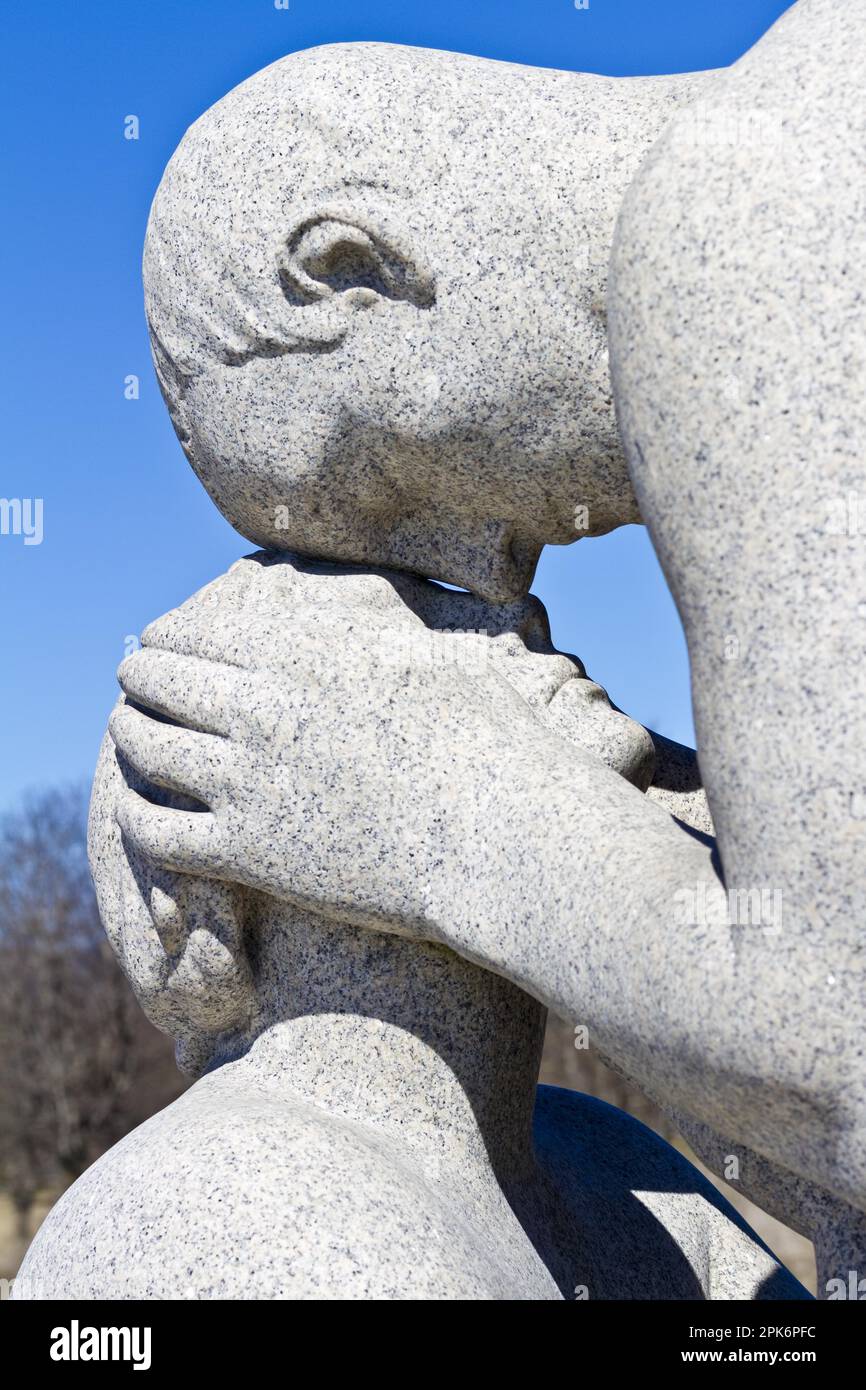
{"type": "Point", "coordinates": [433, 383]}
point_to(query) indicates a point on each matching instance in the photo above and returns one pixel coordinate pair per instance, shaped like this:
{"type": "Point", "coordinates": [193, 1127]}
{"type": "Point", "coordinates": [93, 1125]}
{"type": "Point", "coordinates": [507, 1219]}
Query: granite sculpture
{"type": "Point", "coordinates": [352, 831]}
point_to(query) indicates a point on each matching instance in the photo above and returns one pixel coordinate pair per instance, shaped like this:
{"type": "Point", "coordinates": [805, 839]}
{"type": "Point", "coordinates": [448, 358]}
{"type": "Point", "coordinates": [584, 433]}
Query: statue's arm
{"type": "Point", "coordinates": [407, 800]}
{"type": "Point", "coordinates": [738, 351]}
{"type": "Point", "coordinates": [398, 803]}
{"type": "Point", "coordinates": [738, 354]}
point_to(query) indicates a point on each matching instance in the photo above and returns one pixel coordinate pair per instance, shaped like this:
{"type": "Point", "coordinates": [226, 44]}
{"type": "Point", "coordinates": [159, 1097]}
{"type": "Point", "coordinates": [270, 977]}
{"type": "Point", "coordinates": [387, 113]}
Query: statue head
{"type": "Point", "coordinates": [375, 285]}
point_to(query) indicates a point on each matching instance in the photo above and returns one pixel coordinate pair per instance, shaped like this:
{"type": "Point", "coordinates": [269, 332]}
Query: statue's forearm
{"type": "Point", "coordinates": [593, 913]}
{"type": "Point", "coordinates": [616, 918]}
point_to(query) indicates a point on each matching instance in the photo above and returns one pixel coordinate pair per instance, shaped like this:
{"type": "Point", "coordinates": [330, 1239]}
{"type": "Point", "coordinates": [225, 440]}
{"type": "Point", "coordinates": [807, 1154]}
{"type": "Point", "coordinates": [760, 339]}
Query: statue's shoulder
{"type": "Point", "coordinates": [239, 1193]}
{"type": "Point", "coordinates": [649, 1219]}
{"type": "Point", "coordinates": [224, 1194]}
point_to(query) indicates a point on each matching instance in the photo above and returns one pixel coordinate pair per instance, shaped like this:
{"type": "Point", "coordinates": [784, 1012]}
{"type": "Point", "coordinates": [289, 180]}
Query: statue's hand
{"type": "Point", "coordinates": [333, 778]}
{"type": "Point", "coordinates": [179, 939]}
{"type": "Point", "coordinates": [351, 708]}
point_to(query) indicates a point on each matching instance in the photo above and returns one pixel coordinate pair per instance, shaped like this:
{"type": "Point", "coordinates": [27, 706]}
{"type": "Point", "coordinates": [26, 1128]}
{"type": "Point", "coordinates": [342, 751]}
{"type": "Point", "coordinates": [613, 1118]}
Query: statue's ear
{"type": "Point", "coordinates": [353, 261]}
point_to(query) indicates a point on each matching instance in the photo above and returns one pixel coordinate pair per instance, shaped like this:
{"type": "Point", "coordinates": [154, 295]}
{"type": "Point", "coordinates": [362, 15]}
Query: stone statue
{"type": "Point", "coordinates": [352, 831]}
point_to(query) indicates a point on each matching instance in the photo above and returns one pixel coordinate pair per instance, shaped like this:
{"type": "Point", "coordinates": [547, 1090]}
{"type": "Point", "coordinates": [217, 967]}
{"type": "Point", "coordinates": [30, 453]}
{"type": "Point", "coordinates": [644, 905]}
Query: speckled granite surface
{"type": "Point", "coordinates": [375, 283]}
{"type": "Point", "coordinates": [365, 1127]}
{"type": "Point", "coordinates": [378, 319]}
{"type": "Point", "coordinates": [738, 349]}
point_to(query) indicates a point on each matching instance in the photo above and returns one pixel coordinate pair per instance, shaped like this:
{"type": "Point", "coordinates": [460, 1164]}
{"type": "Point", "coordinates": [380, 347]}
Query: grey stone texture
{"type": "Point", "coordinates": [378, 316]}
{"type": "Point", "coordinates": [368, 1124]}
{"type": "Point", "coordinates": [352, 831]}
{"type": "Point", "coordinates": [738, 353]}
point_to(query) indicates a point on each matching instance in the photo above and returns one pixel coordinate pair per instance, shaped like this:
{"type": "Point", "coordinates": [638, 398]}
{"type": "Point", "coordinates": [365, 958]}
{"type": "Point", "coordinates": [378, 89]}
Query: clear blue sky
{"type": "Point", "coordinates": [128, 531]}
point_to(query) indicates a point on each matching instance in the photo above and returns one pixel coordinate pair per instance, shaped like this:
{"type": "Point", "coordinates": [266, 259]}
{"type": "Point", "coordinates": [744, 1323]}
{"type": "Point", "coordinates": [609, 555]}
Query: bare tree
{"type": "Point", "coordinates": [79, 1064]}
